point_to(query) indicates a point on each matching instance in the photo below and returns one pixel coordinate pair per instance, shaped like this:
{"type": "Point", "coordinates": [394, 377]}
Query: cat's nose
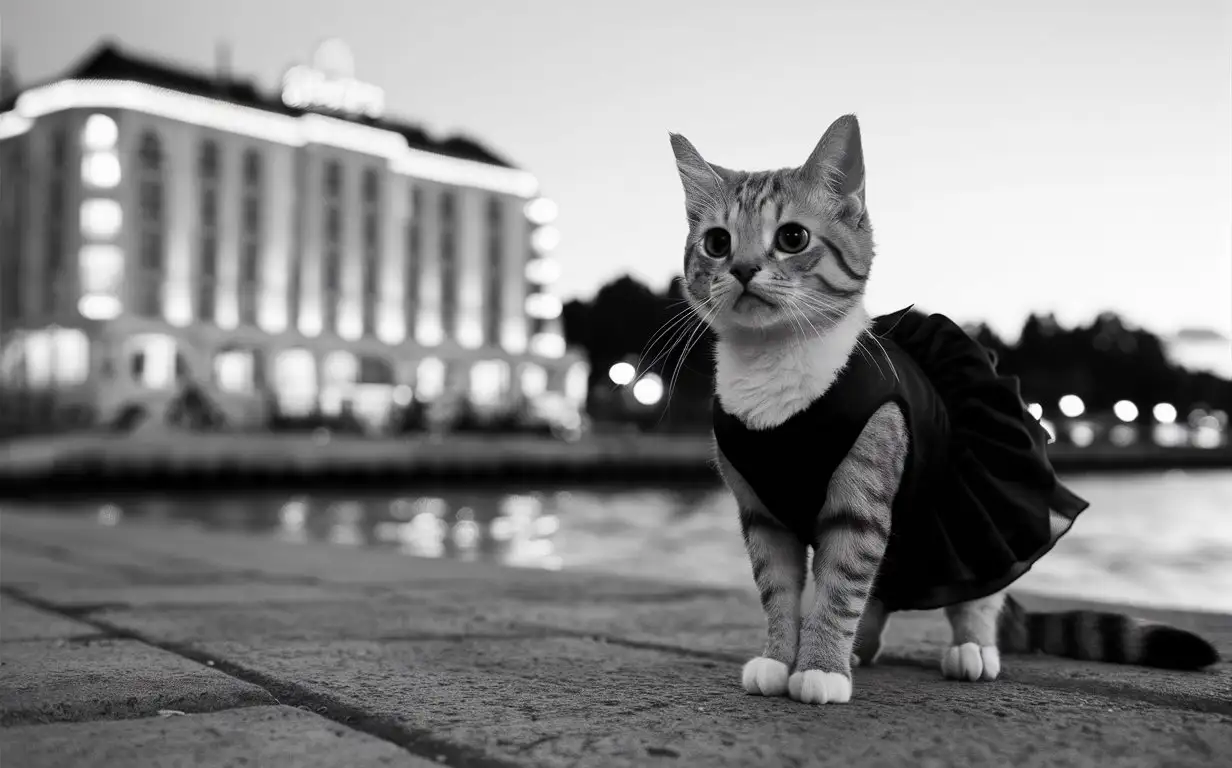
{"type": "Point", "coordinates": [744, 272]}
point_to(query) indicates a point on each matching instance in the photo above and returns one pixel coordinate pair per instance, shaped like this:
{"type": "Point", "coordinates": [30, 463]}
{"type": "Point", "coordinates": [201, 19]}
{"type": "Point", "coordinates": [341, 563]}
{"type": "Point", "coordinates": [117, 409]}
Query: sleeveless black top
{"type": "Point", "coordinates": [972, 512]}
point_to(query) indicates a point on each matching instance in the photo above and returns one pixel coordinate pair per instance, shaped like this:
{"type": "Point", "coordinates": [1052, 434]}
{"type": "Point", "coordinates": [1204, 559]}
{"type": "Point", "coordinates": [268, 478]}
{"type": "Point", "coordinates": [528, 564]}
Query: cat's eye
{"type": "Point", "coordinates": [717, 243]}
{"type": "Point", "coordinates": [791, 238]}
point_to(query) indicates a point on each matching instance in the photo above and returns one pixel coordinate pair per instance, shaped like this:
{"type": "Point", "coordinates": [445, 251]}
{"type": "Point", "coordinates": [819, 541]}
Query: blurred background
{"type": "Point", "coordinates": [406, 275]}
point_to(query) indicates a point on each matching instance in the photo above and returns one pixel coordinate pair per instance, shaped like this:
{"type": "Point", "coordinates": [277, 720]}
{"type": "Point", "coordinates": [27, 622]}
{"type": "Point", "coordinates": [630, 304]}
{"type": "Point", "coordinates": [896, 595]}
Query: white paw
{"type": "Point", "coordinates": [765, 677]}
{"type": "Point", "coordinates": [971, 662]}
{"type": "Point", "coordinates": [816, 687]}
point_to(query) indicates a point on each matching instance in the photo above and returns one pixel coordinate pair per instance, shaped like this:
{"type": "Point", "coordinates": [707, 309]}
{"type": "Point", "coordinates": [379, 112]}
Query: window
{"type": "Point", "coordinates": [489, 381]}
{"type": "Point", "coordinates": [250, 237]}
{"type": "Point", "coordinates": [13, 208]}
{"type": "Point", "coordinates": [411, 270]}
{"type": "Point", "coordinates": [209, 186]}
{"type": "Point", "coordinates": [53, 240]}
{"type": "Point", "coordinates": [331, 252]}
{"type": "Point", "coordinates": [496, 259]}
{"type": "Point", "coordinates": [372, 247]}
{"type": "Point", "coordinates": [295, 381]}
{"type": "Point", "coordinates": [449, 265]}
{"type": "Point", "coordinates": [151, 224]}
{"type": "Point", "coordinates": [234, 371]}
{"type": "Point", "coordinates": [154, 361]}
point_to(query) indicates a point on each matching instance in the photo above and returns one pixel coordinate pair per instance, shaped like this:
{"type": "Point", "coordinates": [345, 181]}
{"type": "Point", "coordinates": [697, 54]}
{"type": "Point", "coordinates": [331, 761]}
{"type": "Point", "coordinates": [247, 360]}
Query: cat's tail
{"type": "Point", "coordinates": [1098, 636]}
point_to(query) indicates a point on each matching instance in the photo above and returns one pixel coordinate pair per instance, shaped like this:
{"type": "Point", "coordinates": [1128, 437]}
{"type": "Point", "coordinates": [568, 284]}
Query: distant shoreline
{"type": "Point", "coordinates": [177, 461]}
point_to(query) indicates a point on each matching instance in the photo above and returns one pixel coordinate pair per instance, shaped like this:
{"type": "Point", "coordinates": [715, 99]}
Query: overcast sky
{"type": "Point", "coordinates": [1051, 155]}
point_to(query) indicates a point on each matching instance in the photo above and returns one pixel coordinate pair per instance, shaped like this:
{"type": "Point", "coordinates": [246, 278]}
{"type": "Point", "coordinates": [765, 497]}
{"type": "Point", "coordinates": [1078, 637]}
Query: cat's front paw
{"type": "Point", "coordinates": [764, 676]}
{"type": "Point", "coordinates": [971, 662]}
{"type": "Point", "coordinates": [813, 686]}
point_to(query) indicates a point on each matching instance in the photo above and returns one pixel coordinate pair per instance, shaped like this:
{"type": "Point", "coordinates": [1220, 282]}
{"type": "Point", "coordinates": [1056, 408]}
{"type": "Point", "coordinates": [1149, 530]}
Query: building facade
{"type": "Point", "coordinates": [287, 256]}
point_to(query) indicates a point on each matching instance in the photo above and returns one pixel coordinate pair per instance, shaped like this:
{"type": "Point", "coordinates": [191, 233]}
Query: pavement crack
{"type": "Point", "coordinates": [416, 741]}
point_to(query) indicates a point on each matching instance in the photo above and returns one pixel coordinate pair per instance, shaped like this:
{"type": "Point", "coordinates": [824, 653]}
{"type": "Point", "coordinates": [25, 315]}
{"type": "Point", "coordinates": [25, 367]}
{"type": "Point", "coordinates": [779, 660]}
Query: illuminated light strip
{"type": "Point", "coordinates": [266, 126]}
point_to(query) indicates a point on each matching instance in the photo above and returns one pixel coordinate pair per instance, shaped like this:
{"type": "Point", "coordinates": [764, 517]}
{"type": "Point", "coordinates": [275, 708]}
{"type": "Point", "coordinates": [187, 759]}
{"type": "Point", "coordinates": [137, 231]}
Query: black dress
{"type": "Point", "coordinates": [972, 513]}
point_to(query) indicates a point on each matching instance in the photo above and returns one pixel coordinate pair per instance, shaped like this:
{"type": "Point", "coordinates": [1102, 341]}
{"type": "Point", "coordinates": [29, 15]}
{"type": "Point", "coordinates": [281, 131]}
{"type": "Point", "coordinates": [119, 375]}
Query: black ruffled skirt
{"type": "Point", "coordinates": [998, 506]}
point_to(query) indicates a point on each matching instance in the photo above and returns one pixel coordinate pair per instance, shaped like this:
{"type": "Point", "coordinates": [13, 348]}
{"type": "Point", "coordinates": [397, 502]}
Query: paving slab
{"type": "Point", "coordinates": [335, 619]}
{"type": "Point", "coordinates": [20, 569]}
{"type": "Point", "coordinates": [237, 593]}
{"type": "Point", "coordinates": [87, 680]}
{"type": "Point", "coordinates": [268, 737]}
{"type": "Point", "coordinates": [19, 621]}
{"type": "Point", "coordinates": [565, 701]}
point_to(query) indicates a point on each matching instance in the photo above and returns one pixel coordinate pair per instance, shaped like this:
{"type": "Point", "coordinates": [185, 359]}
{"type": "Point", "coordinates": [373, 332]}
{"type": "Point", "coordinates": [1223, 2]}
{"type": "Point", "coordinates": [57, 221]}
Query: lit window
{"type": "Point", "coordinates": [100, 133]}
{"type": "Point", "coordinates": [39, 356]}
{"type": "Point", "coordinates": [390, 328]}
{"type": "Point", "coordinates": [470, 333]}
{"type": "Point", "coordinates": [101, 170]}
{"type": "Point", "coordinates": [430, 379]}
{"type": "Point", "coordinates": [577, 382]}
{"type": "Point", "coordinates": [154, 361]}
{"type": "Point", "coordinates": [102, 269]}
{"type": "Point", "coordinates": [233, 370]}
{"type": "Point", "coordinates": [534, 380]}
{"type": "Point", "coordinates": [72, 356]}
{"type": "Point", "coordinates": [350, 324]}
{"type": "Point", "coordinates": [542, 271]}
{"type": "Point", "coordinates": [545, 239]}
{"type": "Point", "coordinates": [428, 331]}
{"type": "Point", "coordinates": [341, 368]}
{"type": "Point", "coordinates": [295, 381]}
{"type": "Point", "coordinates": [548, 345]}
{"type": "Point", "coordinates": [540, 211]}
{"type": "Point", "coordinates": [489, 380]}
{"type": "Point", "coordinates": [100, 218]}
{"type": "Point", "coordinates": [543, 306]}
{"type": "Point", "coordinates": [99, 307]}
{"type": "Point", "coordinates": [513, 335]}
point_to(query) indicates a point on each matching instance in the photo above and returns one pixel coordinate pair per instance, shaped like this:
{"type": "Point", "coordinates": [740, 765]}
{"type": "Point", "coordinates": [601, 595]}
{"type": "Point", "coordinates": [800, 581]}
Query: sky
{"type": "Point", "coordinates": [1056, 156]}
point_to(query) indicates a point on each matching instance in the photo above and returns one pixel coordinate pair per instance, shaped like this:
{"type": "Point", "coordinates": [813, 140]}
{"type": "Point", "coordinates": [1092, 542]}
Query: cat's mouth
{"type": "Point", "coordinates": [749, 299]}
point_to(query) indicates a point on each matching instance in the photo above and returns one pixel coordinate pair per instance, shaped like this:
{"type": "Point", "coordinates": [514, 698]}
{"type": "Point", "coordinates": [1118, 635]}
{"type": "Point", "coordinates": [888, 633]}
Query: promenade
{"type": "Point", "coordinates": [169, 459]}
{"type": "Point", "coordinates": [158, 646]}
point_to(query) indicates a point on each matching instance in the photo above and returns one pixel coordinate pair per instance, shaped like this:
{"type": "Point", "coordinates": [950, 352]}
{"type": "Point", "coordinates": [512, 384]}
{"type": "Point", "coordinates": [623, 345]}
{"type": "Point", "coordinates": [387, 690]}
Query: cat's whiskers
{"type": "Point", "coordinates": [684, 329]}
{"type": "Point", "coordinates": [695, 337]}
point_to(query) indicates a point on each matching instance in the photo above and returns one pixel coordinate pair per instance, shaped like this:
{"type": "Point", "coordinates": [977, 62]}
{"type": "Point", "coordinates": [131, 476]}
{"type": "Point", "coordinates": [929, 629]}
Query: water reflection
{"type": "Point", "coordinates": [1162, 538]}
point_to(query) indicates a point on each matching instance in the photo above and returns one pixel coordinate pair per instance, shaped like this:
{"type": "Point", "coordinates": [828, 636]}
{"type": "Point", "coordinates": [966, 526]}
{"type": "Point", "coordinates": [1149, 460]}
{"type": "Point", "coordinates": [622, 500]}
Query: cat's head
{"type": "Point", "coordinates": [778, 251]}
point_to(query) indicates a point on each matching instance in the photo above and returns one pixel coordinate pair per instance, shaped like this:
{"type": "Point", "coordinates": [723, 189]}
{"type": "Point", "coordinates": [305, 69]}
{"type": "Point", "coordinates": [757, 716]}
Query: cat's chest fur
{"type": "Point", "coordinates": [765, 385]}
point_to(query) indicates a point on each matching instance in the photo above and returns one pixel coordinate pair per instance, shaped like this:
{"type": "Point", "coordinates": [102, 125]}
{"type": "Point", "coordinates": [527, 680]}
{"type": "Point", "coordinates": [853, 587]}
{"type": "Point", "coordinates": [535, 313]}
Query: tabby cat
{"type": "Point", "coordinates": [890, 447]}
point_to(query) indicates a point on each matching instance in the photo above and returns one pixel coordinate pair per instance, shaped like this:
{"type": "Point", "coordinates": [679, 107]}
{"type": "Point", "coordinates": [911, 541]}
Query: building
{"type": "Point", "coordinates": [291, 254]}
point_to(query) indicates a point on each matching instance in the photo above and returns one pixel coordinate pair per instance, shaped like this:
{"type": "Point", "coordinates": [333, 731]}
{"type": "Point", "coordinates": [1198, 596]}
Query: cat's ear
{"type": "Point", "coordinates": [838, 162]}
{"type": "Point", "coordinates": [700, 179]}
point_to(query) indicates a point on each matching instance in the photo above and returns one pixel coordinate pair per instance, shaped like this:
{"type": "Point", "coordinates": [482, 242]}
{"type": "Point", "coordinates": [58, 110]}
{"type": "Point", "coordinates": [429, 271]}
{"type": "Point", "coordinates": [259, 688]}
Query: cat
{"type": "Point", "coordinates": [776, 262]}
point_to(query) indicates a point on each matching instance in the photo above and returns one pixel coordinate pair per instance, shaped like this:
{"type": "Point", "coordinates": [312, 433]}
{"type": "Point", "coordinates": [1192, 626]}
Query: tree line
{"type": "Point", "coordinates": [1102, 362]}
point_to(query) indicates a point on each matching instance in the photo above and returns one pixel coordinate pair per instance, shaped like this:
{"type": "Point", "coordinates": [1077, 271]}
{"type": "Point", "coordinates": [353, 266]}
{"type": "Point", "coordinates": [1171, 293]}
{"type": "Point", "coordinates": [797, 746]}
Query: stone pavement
{"type": "Point", "coordinates": [142, 645]}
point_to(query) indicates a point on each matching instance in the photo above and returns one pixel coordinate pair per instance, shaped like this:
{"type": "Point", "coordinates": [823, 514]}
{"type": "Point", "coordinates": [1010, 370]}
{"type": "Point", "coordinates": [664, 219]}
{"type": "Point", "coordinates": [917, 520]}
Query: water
{"type": "Point", "coordinates": [1161, 539]}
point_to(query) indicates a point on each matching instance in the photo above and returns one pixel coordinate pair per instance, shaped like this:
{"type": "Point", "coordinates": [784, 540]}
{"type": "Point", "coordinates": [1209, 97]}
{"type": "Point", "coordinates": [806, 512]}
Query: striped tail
{"type": "Point", "coordinates": [1096, 636]}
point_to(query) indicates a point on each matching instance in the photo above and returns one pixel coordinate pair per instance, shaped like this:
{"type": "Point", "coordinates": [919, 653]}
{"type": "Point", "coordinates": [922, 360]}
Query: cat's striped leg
{"type": "Point", "coordinates": [868, 634]}
{"type": "Point", "coordinates": [851, 537]}
{"type": "Point", "coordinates": [973, 653]}
{"type": "Point", "coordinates": [778, 559]}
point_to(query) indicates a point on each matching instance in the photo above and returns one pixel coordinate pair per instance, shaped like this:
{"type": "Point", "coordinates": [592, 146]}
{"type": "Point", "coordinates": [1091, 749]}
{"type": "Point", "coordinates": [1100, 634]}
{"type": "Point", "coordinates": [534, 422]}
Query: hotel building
{"type": "Point", "coordinates": [290, 254]}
